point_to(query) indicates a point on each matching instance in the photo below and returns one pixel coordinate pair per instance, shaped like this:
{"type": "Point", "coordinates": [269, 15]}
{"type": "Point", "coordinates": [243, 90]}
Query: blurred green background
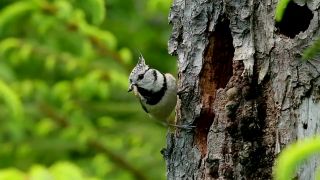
{"type": "Point", "coordinates": [64, 108]}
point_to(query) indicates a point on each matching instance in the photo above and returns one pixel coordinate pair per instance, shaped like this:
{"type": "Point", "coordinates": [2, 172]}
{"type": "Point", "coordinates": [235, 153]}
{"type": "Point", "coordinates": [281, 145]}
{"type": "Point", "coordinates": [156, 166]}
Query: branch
{"type": "Point", "coordinates": [49, 111]}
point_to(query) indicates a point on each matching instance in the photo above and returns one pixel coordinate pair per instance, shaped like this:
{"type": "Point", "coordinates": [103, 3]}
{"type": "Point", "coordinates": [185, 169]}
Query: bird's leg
{"type": "Point", "coordinates": [167, 124]}
{"type": "Point", "coordinates": [185, 127]}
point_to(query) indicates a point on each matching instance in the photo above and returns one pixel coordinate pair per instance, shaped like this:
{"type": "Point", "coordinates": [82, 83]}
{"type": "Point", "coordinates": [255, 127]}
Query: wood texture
{"type": "Point", "coordinates": [244, 87]}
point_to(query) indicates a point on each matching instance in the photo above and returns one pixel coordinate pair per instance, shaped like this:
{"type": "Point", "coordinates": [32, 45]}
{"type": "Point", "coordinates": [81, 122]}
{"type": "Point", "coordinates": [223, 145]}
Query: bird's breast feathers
{"type": "Point", "coordinates": [167, 102]}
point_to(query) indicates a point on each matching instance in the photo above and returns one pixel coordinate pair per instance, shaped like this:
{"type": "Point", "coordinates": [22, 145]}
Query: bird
{"type": "Point", "coordinates": [156, 91]}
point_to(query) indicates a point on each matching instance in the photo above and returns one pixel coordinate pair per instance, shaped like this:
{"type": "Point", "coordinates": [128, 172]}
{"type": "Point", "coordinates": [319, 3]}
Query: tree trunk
{"type": "Point", "coordinates": [243, 85]}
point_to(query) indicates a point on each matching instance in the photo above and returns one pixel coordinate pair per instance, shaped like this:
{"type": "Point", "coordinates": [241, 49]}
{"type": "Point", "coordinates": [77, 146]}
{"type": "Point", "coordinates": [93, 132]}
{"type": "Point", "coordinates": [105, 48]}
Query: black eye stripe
{"type": "Point", "coordinates": [141, 76]}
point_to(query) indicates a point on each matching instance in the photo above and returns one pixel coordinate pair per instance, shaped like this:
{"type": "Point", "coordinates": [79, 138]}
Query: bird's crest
{"type": "Point", "coordinates": [141, 67]}
{"type": "Point", "coordinates": [141, 61]}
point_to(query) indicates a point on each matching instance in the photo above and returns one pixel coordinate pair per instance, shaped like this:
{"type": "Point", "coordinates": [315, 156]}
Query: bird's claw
{"type": "Point", "coordinates": [185, 127]}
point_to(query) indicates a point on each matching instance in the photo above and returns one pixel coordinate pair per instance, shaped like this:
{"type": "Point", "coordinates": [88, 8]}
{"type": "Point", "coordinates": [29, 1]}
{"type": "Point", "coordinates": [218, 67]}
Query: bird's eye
{"type": "Point", "coordinates": [140, 76]}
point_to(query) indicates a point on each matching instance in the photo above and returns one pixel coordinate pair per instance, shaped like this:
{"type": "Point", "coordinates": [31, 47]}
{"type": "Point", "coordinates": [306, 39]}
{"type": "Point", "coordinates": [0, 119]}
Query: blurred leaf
{"type": "Point", "coordinates": [126, 55]}
{"type": "Point", "coordinates": [15, 11]}
{"type": "Point", "coordinates": [6, 72]}
{"type": "Point", "coordinates": [64, 68]}
{"type": "Point", "coordinates": [8, 44]}
{"type": "Point", "coordinates": [66, 171]}
{"type": "Point", "coordinates": [101, 165]}
{"type": "Point", "coordinates": [312, 51]}
{"type": "Point", "coordinates": [64, 9]}
{"type": "Point", "coordinates": [158, 5]}
{"type": "Point", "coordinates": [293, 155]}
{"type": "Point", "coordinates": [95, 9]}
{"type": "Point", "coordinates": [10, 174]}
{"type": "Point", "coordinates": [106, 122]}
{"type": "Point", "coordinates": [280, 9]}
{"type": "Point", "coordinates": [38, 172]}
{"type": "Point", "coordinates": [44, 127]}
{"type": "Point", "coordinates": [12, 101]}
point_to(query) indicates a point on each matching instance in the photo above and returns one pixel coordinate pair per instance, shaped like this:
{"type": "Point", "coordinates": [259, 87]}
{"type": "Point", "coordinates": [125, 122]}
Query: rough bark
{"type": "Point", "coordinates": [243, 85]}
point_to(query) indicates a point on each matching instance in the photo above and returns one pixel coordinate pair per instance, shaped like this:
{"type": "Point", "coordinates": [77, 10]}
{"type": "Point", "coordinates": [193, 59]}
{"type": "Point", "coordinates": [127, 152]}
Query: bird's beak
{"type": "Point", "coordinates": [130, 87]}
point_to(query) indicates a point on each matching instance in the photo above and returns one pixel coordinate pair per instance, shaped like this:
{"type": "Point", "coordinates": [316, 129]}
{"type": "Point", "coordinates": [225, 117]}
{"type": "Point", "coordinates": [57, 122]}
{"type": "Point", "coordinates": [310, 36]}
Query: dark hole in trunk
{"type": "Point", "coordinates": [296, 19]}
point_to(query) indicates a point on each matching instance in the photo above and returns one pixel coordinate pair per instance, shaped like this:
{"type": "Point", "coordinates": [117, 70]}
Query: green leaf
{"type": "Point", "coordinates": [61, 91]}
{"type": "Point", "coordinates": [66, 171]}
{"type": "Point", "coordinates": [312, 51]}
{"type": "Point", "coordinates": [39, 172]}
{"type": "Point", "coordinates": [25, 52]}
{"type": "Point", "coordinates": [50, 62]}
{"type": "Point", "coordinates": [106, 122]}
{"type": "Point", "coordinates": [8, 44]}
{"type": "Point", "coordinates": [126, 55]}
{"type": "Point", "coordinates": [101, 165]}
{"type": "Point", "coordinates": [68, 66]}
{"type": "Point", "coordinates": [12, 101]}
{"type": "Point", "coordinates": [65, 9]}
{"type": "Point", "coordinates": [11, 174]}
{"type": "Point", "coordinates": [44, 127]}
{"type": "Point", "coordinates": [155, 6]}
{"type": "Point", "coordinates": [6, 72]}
{"type": "Point", "coordinates": [293, 155]}
{"type": "Point", "coordinates": [119, 79]}
{"type": "Point", "coordinates": [16, 10]}
{"type": "Point", "coordinates": [280, 9]}
{"type": "Point", "coordinates": [95, 9]}
{"type": "Point", "coordinates": [103, 39]}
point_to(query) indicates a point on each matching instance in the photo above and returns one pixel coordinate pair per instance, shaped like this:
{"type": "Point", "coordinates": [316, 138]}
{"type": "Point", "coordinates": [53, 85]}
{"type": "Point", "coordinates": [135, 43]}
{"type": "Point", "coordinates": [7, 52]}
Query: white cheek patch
{"type": "Point", "coordinates": [135, 91]}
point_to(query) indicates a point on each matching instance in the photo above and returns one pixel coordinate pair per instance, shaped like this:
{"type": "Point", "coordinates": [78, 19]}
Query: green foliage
{"type": "Point", "coordinates": [312, 51]}
{"type": "Point", "coordinates": [59, 171]}
{"type": "Point", "coordinates": [294, 155]}
{"type": "Point", "coordinates": [64, 108]}
{"type": "Point", "coordinates": [280, 9]}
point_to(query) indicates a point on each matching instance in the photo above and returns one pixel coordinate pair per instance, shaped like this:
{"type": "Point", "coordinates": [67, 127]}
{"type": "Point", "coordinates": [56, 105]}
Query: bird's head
{"type": "Point", "coordinates": [142, 76]}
